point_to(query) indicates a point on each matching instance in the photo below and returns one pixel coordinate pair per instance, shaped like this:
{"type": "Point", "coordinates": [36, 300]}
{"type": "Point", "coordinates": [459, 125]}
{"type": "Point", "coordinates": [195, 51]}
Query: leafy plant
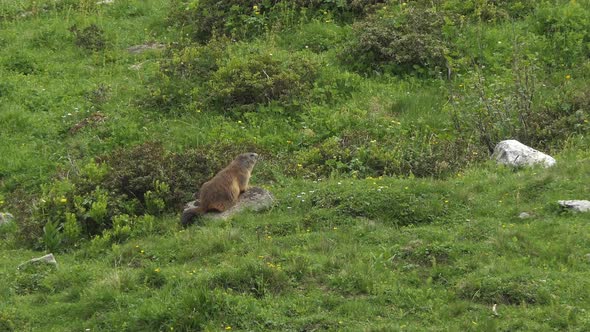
{"type": "Point", "coordinates": [51, 237]}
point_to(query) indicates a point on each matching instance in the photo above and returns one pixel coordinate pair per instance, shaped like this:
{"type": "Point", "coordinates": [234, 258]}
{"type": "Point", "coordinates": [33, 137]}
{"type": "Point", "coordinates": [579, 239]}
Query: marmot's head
{"type": "Point", "coordinates": [247, 160]}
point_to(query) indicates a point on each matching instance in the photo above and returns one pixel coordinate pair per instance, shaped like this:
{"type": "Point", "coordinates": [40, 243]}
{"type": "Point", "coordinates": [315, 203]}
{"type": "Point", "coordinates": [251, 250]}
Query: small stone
{"type": "Point", "coordinates": [576, 205]}
{"type": "Point", "coordinates": [524, 215]}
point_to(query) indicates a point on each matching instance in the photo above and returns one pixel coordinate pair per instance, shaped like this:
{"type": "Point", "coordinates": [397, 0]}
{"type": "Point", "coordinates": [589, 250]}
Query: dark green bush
{"type": "Point", "coordinates": [421, 152]}
{"type": "Point", "coordinates": [233, 79]}
{"type": "Point", "coordinates": [399, 41]}
{"type": "Point", "coordinates": [239, 19]}
{"type": "Point", "coordinates": [261, 77]}
{"type": "Point", "coordinates": [490, 11]}
{"type": "Point", "coordinates": [117, 196]}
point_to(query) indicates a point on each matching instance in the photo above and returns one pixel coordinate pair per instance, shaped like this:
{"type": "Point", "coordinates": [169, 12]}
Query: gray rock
{"type": "Point", "coordinates": [514, 153]}
{"type": "Point", "coordinates": [5, 218]}
{"type": "Point", "coordinates": [576, 205]}
{"type": "Point", "coordinates": [48, 259]}
{"type": "Point", "coordinates": [254, 199]}
{"type": "Point", "coordinates": [524, 215]}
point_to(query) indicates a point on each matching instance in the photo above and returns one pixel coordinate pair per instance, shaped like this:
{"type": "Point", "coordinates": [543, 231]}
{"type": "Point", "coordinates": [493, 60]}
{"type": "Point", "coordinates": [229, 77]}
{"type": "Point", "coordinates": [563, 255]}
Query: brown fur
{"type": "Point", "coordinates": [222, 191]}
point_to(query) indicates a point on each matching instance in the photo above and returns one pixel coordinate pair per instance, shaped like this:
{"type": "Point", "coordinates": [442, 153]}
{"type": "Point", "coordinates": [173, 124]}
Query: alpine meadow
{"type": "Point", "coordinates": [373, 124]}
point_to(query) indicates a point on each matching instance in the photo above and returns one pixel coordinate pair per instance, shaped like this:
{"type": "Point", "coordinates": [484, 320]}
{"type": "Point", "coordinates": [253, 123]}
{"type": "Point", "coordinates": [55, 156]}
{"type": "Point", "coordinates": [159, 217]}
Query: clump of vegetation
{"type": "Point", "coordinates": [567, 29]}
{"type": "Point", "coordinates": [203, 20]}
{"type": "Point", "coordinates": [398, 41]}
{"type": "Point", "coordinates": [247, 80]}
{"type": "Point", "coordinates": [111, 195]}
{"type": "Point", "coordinates": [491, 11]}
{"type": "Point", "coordinates": [90, 38]}
{"type": "Point", "coordinates": [234, 80]}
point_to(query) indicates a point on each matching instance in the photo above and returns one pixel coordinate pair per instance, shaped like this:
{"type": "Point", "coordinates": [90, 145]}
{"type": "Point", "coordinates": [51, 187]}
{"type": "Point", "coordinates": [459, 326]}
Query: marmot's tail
{"type": "Point", "coordinates": [188, 215]}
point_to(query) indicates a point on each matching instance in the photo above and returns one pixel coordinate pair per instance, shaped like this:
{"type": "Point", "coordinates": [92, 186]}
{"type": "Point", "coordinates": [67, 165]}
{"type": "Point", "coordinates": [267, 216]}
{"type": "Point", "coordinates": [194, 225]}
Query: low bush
{"type": "Point", "coordinates": [261, 77]}
{"type": "Point", "coordinates": [233, 79]}
{"type": "Point", "coordinates": [116, 196]}
{"type": "Point", "coordinates": [398, 40]}
{"type": "Point", "coordinates": [567, 29]}
{"type": "Point", "coordinates": [239, 19]}
{"type": "Point", "coordinates": [495, 108]}
{"type": "Point", "coordinates": [491, 11]}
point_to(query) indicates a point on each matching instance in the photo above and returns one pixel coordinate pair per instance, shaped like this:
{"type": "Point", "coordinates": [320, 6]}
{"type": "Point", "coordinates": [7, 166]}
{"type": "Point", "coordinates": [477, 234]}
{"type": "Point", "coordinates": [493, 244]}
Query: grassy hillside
{"type": "Point", "coordinates": [375, 121]}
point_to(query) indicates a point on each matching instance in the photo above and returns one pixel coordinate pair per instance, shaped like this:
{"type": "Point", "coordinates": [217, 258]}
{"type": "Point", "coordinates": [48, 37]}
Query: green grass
{"type": "Point", "coordinates": [302, 265]}
{"type": "Point", "coordinates": [388, 216]}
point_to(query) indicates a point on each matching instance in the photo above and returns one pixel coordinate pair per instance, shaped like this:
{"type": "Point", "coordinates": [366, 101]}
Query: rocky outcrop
{"type": "Point", "coordinates": [514, 153]}
{"type": "Point", "coordinates": [254, 199]}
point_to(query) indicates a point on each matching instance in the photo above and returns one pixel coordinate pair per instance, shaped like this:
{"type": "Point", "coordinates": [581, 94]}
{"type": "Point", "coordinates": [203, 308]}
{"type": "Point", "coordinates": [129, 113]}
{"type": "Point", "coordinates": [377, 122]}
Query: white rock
{"type": "Point", "coordinates": [514, 153]}
{"type": "Point", "coordinates": [49, 259]}
{"type": "Point", "coordinates": [5, 218]}
{"type": "Point", "coordinates": [576, 205]}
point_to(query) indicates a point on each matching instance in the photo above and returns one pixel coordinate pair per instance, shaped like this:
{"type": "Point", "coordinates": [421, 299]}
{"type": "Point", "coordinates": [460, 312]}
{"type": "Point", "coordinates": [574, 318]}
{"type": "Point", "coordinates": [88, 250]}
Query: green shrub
{"type": "Point", "coordinates": [399, 41]}
{"type": "Point", "coordinates": [491, 10]}
{"type": "Point", "coordinates": [238, 19]}
{"type": "Point", "coordinates": [495, 108]}
{"type": "Point", "coordinates": [233, 79]}
{"type": "Point", "coordinates": [116, 196]}
{"type": "Point", "coordinates": [261, 76]}
{"type": "Point", "coordinates": [567, 28]}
